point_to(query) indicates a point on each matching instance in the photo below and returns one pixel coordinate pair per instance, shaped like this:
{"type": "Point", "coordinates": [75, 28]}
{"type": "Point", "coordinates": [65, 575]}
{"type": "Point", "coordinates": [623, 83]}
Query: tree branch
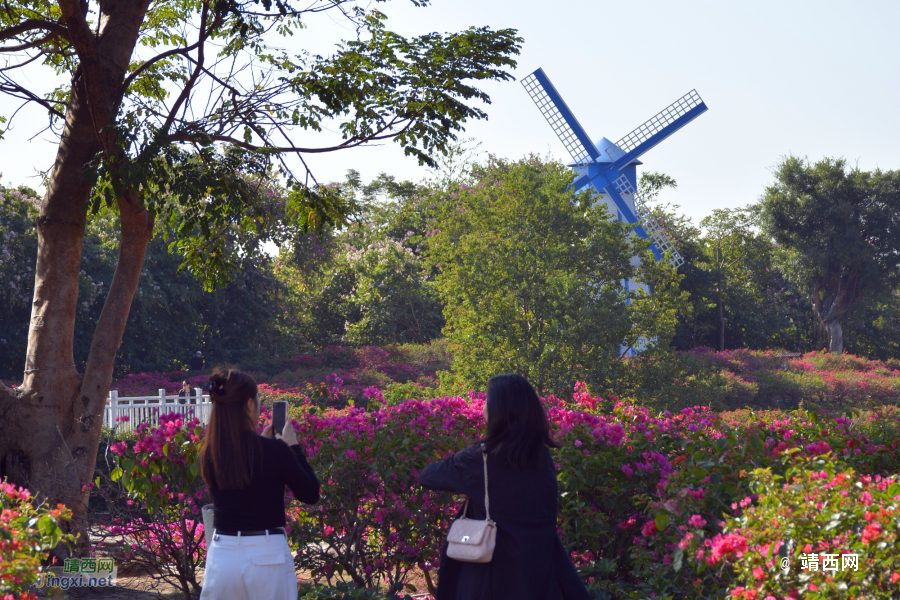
{"type": "Point", "coordinates": [20, 65]}
{"type": "Point", "coordinates": [149, 63]}
{"type": "Point", "coordinates": [51, 27]}
{"type": "Point", "coordinates": [204, 32]}
{"type": "Point", "coordinates": [29, 45]}
{"type": "Point", "coordinates": [182, 51]}
{"type": "Point", "coordinates": [7, 86]}
{"type": "Point", "coordinates": [257, 148]}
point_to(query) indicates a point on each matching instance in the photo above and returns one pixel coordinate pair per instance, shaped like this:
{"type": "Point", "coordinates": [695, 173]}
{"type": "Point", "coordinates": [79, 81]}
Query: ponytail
{"type": "Point", "coordinates": [231, 445]}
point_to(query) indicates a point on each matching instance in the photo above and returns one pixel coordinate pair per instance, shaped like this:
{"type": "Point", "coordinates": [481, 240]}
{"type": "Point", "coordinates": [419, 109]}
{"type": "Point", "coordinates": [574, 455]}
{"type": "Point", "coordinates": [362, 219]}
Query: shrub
{"type": "Point", "coordinates": [819, 510]}
{"type": "Point", "coordinates": [374, 522]}
{"type": "Point", "coordinates": [637, 489]}
{"type": "Point", "coordinates": [710, 482]}
{"type": "Point", "coordinates": [27, 533]}
{"type": "Point", "coordinates": [343, 591]}
{"type": "Point", "coordinates": [153, 498]}
{"type": "Point", "coordinates": [740, 378]}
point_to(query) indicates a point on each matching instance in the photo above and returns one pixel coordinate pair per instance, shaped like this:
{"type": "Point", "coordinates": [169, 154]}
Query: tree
{"type": "Point", "coordinates": [530, 276]}
{"type": "Point", "coordinates": [367, 284]}
{"type": "Point", "coordinates": [750, 299]}
{"type": "Point", "coordinates": [180, 113]}
{"type": "Point", "coordinates": [730, 240]}
{"type": "Point", "coordinates": [845, 226]}
{"type": "Point", "coordinates": [395, 300]}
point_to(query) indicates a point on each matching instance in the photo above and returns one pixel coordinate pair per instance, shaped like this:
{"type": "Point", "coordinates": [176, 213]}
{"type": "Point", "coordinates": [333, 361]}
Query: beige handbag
{"type": "Point", "coordinates": [470, 540]}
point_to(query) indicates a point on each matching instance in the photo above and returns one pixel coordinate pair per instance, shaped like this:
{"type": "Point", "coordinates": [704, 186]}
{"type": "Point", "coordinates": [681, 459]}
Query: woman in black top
{"type": "Point", "coordinates": [249, 557]}
{"type": "Point", "coordinates": [529, 561]}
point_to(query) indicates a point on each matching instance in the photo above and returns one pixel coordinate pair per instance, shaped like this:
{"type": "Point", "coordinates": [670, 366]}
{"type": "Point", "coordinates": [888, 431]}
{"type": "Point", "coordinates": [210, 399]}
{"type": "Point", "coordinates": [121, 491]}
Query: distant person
{"type": "Point", "coordinates": [249, 557]}
{"type": "Point", "coordinates": [187, 392]}
{"type": "Point", "coordinates": [197, 361]}
{"type": "Point", "coordinates": [529, 560]}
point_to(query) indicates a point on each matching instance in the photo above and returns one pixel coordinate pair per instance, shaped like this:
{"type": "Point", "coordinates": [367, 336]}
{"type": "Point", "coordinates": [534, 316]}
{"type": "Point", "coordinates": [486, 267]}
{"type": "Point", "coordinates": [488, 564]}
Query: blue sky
{"type": "Point", "coordinates": [807, 78]}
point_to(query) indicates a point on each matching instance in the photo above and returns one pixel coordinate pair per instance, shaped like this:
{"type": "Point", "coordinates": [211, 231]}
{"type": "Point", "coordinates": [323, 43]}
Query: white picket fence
{"type": "Point", "coordinates": [124, 414]}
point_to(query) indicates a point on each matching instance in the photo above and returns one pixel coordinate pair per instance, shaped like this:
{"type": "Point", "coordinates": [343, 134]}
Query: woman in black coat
{"type": "Point", "coordinates": [529, 561]}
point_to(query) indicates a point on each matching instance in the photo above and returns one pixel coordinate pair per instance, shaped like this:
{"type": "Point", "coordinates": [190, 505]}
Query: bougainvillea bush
{"type": "Point", "coordinates": [645, 498]}
{"type": "Point", "coordinates": [710, 483]}
{"type": "Point", "coordinates": [28, 531]}
{"type": "Point", "coordinates": [336, 376]}
{"type": "Point", "coordinates": [749, 378]}
{"type": "Point", "coordinates": [152, 500]}
{"type": "Point", "coordinates": [374, 524]}
{"type": "Point", "coordinates": [820, 531]}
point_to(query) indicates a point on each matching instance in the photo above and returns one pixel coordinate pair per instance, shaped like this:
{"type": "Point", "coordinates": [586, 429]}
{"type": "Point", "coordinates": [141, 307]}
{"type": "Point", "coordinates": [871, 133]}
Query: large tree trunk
{"type": "Point", "coordinates": [835, 337]}
{"type": "Point", "coordinates": [832, 300]}
{"type": "Point", "coordinates": [50, 426]}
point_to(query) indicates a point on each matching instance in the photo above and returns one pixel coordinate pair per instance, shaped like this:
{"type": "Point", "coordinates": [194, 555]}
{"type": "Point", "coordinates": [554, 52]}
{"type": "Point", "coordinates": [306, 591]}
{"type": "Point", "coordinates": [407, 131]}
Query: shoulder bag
{"type": "Point", "coordinates": [471, 540]}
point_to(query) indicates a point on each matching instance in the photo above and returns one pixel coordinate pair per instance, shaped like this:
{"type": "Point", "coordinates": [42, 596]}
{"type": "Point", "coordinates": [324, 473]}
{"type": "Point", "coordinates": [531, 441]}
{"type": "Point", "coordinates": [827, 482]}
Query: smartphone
{"type": "Point", "coordinates": [279, 417]}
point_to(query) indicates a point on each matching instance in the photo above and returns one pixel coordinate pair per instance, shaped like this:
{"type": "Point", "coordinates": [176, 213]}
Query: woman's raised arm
{"type": "Point", "coordinates": [448, 475]}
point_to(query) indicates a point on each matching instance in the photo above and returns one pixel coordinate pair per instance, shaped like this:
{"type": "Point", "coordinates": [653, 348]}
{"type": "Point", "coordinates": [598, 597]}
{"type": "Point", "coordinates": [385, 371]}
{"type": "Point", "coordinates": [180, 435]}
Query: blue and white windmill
{"type": "Point", "coordinates": [611, 168]}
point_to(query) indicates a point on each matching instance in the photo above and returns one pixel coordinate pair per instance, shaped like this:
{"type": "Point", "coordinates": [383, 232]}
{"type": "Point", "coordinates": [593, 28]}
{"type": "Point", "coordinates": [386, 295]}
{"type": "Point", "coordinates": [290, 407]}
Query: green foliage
{"type": "Point", "coordinates": [369, 284]}
{"type": "Point", "coordinates": [171, 317]}
{"type": "Point", "coordinates": [874, 328]}
{"type": "Point", "coordinates": [741, 288]}
{"type": "Point", "coordinates": [380, 85]}
{"type": "Point", "coordinates": [18, 249]}
{"type": "Point", "coordinates": [343, 591]}
{"type": "Point", "coordinates": [395, 301]}
{"type": "Point", "coordinates": [843, 223]}
{"type": "Point", "coordinates": [530, 278]}
{"type": "Point", "coordinates": [818, 507]}
{"type": "Point", "coordinates": [28, 531]}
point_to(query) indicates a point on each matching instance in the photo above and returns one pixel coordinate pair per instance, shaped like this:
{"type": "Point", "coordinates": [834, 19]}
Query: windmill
{"type": "Point", "coordinates": [611, 168]}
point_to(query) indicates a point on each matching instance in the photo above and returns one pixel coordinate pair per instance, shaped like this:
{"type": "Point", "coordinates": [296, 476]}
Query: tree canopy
{"type": "Point", "coordinates": [844, 224]}
{"type": "Point", "coordinates": [530, 278]}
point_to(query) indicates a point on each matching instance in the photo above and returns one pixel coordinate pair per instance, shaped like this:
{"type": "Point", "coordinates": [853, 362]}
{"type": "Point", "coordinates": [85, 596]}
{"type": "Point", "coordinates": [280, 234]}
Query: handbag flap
{"type": "Point", "coordinates": [467, 531]}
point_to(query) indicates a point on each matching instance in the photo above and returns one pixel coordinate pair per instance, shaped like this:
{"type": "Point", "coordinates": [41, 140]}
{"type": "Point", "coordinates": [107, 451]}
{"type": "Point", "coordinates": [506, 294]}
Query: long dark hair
{"type": "Point", "coordinates": [517, 423]}
{"type": "Point", "coordinates": [231, 444]}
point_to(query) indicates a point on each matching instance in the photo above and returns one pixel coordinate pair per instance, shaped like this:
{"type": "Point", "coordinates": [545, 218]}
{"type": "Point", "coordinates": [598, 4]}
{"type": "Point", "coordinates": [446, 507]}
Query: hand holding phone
{"type": "Point", "coordinates": [279, 417]}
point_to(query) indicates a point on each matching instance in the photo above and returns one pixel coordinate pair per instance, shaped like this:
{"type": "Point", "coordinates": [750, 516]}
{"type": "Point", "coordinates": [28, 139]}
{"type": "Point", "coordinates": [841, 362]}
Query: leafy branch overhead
{"type": "Point", "coordinates": [209, 92]}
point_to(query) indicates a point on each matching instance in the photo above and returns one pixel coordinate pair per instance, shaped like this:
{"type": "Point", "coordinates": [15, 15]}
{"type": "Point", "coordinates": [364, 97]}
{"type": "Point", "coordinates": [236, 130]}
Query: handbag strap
{"type": "Point", "coordinates": [487, 502]}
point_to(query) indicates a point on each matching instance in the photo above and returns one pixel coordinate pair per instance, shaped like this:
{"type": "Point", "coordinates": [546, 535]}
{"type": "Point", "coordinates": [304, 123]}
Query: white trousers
{"type": "Point", "coordinates": [249, 568]}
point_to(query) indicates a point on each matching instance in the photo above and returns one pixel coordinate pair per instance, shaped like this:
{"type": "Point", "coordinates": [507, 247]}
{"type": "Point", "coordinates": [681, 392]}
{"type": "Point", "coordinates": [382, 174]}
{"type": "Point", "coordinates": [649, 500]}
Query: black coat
{"type": "Point", "coordinates": [183, 396]}
{"type": "Point", "coordinates": [529, 561]}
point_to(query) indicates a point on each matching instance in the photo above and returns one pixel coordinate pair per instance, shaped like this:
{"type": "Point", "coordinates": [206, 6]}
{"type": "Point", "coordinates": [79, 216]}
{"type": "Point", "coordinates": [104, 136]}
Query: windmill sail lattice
{"type": "Point", "coordinates": [657, 123]}
{"type": "Point", "coordinates": [552, 111]}
{"type": "Point", "coordinates": [654, 230]}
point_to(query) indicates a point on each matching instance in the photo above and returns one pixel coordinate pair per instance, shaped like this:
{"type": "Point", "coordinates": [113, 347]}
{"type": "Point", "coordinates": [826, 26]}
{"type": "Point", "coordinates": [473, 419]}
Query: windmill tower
{"type": "Point", "coordinates": [610, 169]}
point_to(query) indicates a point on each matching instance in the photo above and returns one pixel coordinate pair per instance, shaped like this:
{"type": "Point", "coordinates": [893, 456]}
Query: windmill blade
{"type": "Point", "coordinates": [668, 121]}
{"type": "Point", "coordinates": [627, 214]}
{"type": "Point", "coordinates": [661, 240]}
{"type": "Point", "coordinates": [564, 124]}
